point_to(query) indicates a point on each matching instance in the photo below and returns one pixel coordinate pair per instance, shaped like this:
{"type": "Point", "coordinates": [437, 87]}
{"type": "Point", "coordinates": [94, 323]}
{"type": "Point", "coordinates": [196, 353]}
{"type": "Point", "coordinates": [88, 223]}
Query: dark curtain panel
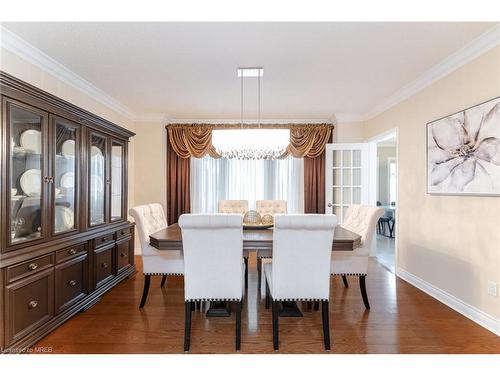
{"type": "Point", "coordinates": [314, 184]}
{"type": "Point", "coordinates": [178, 191]}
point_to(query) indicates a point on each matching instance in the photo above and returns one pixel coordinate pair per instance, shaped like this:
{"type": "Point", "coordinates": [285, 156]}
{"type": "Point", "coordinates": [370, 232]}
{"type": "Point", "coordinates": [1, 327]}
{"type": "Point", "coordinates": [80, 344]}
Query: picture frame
{"type": "Point", "coordinates": [463, 152]}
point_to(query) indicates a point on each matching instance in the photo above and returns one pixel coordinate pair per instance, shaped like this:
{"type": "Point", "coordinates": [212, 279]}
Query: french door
{"type": "Point", "coordinates": [350, 176]}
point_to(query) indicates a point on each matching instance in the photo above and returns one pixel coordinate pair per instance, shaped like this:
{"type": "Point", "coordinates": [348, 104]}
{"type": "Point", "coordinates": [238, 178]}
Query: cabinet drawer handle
{"type": "Point", "coordinates": [32, 266]}
{"type": "Point", "coordinates": [72, 283]}
{"type": "Point", "coordinates": [32, 305]}
{"type": "Point", "coordinates": [72, 252]}
{"type": "Point", "coordinates": [123, 255]}
{"type": "Point", "coordinates": [104, 265]}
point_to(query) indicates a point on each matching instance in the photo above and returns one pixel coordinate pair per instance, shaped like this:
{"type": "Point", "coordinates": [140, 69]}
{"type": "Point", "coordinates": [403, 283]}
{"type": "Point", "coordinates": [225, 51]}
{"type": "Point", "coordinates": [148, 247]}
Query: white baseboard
{"type": "Point", "coordinates": [137, 251]}
{"type": "Point", "coordinates": [480, 317]}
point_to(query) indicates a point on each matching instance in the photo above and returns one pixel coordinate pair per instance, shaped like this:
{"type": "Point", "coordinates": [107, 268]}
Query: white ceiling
{"type": "Point", "coordinates": [188, 70]}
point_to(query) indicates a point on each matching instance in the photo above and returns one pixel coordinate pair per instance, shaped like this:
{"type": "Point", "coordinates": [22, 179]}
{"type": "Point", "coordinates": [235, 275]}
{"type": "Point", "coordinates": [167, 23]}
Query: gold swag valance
{"type": "Point", "coordinates": [196, 139]}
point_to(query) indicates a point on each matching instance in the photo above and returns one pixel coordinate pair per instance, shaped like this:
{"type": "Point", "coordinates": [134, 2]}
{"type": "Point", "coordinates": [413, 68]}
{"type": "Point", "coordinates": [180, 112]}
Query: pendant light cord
{"type": "Point", "coordinates": [241, 101]}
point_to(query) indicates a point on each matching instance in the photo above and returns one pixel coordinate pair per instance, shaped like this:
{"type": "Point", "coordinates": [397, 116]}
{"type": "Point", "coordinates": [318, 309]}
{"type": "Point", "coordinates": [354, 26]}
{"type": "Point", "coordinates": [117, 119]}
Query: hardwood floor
{"type": "Point", "coordinates": [401, 320]}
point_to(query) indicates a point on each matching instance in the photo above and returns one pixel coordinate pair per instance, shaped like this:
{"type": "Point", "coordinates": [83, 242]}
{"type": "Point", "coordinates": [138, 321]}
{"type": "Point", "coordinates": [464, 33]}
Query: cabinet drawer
{"type": "Point", "coordinates": [71, 282]}
{"type": "Point", "coordinates": [123, 256]}
{"type": "Point", "coordinates": [29, 304]}
{"type": "Point", "coordinates": [124, 232]}
{"type": "Point", "coordinates": [71, 252]}
{"type": "Point", "coordinates": [103, 265]}
{"type": "Point", "coordinates": [29, 267]}
{"type": "Point", "coordinates": [104, 240]}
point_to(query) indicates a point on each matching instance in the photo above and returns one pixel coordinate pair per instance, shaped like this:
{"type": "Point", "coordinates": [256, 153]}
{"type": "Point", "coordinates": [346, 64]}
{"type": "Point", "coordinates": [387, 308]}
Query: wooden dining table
{"type": "Point", "coordinates": [170, 238]}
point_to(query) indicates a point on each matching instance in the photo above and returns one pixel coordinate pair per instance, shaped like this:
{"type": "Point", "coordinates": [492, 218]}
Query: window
{"type": "Point", "coordinates": [215, 179]}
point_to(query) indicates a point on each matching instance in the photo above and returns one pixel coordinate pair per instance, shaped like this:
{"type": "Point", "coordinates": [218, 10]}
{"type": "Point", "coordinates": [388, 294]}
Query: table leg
{"type": "Point", "coordinates": [290, 309]}
{"type": "Point", "coordinates": [221, 309]}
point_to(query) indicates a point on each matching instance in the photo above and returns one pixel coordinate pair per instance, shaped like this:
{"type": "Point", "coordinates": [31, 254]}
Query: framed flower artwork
{"type": "Point", "coordinates": [463, 152]}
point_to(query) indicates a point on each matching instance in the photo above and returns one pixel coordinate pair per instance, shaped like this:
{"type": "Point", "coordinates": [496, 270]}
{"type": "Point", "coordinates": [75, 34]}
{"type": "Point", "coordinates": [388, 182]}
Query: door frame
{"type": "Point", "coordinates": [380, 138]}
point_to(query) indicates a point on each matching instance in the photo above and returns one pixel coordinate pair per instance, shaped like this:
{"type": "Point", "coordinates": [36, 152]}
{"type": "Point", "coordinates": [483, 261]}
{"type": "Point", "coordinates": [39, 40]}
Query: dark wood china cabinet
{"type": "Point", "coordinates": [65, 238]}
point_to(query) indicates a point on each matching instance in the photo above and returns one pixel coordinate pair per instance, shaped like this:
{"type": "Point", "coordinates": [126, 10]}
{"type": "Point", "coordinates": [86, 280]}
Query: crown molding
{"type": "Point", "coordinates": [344, 118]}
{"type": "Point", "coordinates": [18, 46]}
{"type": "Point", "coordinates": [151, 117]}
{"type": "Point", "coordinates": [469, 52]}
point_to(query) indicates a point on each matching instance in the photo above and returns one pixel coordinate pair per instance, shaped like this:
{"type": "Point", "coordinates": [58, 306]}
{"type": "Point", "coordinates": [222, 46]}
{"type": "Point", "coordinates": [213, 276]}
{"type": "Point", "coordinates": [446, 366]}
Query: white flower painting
{"type": "Point", "coordinates": [463, 152]}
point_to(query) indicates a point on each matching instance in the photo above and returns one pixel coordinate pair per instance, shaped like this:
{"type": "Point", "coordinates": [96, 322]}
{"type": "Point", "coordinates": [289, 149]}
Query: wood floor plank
{"type": "Point", "coordinates": [402, 320]}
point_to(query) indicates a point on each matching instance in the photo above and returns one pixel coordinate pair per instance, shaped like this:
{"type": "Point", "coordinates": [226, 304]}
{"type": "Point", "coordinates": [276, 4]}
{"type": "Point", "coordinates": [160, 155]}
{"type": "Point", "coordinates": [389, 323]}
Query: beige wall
{"type": "Point", "coordinates": [150, 158]}
{"type": "Point", "coordinates": [22, 69]}
{"type": "Point", "coordinates": [450, 242]}
{"type": "Point", "coordinates": [350, 132]}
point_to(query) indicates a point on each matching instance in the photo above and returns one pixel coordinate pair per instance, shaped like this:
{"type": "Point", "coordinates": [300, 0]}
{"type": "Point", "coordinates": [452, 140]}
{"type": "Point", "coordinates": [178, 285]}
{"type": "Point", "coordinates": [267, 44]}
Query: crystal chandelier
{"type": "Point", "coordinates": [253, 143]}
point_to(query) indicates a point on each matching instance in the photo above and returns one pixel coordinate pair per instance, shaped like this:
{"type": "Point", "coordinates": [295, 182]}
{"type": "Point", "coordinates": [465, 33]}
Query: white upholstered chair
{"type": "Point", "coordinates": [233, 207]}
{"type": "Point", "coordinates": [236, 207]}
{"type": "Point", "coordinates": [213, 266]}
{"type": "Point", "coordinates": [150, 218]}
{"type": "Point", "coordinates": [300, 269]}
{"type": "Point", "coordinates": [267, 207]}
{"type": "Point", "coordinates": [362, 220]}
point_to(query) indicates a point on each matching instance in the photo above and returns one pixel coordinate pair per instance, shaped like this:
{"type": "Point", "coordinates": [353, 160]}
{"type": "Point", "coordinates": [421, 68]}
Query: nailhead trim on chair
{"type": "Point", "coordinates": [163, 274]}
{"type": "Point", "coordinates": [213, 299]}
{"type": "Point", "coordinates": [349, 274]}
{"type": "Point", "coordinates": [263, 256]}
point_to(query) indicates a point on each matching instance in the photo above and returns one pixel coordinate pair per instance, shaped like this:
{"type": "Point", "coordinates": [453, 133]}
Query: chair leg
{"type": "Point", "coordinates": [238, 325]}
{"type": "Point", "coordinates": [326, 324]}
{"type": "Point", "coordinates": [187, 324]}
{"type": "Point", "coordinates": [163, 280]}
{"type": "Point", "coordinates": [362, 286]}
{"type": "Point", "coordinates": [276, 308]}
{"type": "Point", "coordinates": [147, 281]}
{"type": "Point", "coordinates": [246, 272]}
{"type": "Point", "coordinates": [316, 305]}
{"type": "Point", "coordinates": [344, 280]}
{"type": "Point", "coordinates": [259, 272]}
{"type": "Point", "coordinates": [268, 297]}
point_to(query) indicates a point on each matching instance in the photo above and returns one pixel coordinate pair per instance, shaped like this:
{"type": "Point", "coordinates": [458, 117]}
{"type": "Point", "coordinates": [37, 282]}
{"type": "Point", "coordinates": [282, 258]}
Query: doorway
{"type": "Point", "coordinates": [386, 186]}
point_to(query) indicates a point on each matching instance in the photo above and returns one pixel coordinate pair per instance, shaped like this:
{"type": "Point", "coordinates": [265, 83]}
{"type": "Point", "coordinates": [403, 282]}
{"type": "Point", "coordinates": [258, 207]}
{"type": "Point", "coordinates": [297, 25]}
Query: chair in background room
{"type": "Point", "coordinates": [298, 275]}
{"type": "Point", "coordinates": [386, 218]}
{"type": "Point", "coordinates": [362, 220]}
{"type": "Point", "coordinates": [267, 207]}
{"type": "Point", "coordinates": [150, 218]}
{"type": "Point", "coordinates": [213, 267]}
{"type": "Point", "coordinates": [236, 207]}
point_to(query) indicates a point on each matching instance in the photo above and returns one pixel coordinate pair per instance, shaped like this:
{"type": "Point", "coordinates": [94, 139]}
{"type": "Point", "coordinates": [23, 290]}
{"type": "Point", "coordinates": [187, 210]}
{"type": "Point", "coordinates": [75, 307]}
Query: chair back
{"type": "Point", "coordinates": [213, 256]}
{"type": "Point", "coordinates": [302, 249]}
{"type": "Point", "coordinates": [149, 218]}
{"type": "Point", "coordinates": [233, 207]}
{"type": "Point", "coordinates": [271, 207]}
{"type": "Point", "coordinates": [362, 220]}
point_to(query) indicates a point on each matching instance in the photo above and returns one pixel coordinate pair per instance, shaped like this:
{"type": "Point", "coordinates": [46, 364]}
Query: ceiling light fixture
{"type": "Point", "coordinates": [251, 143]}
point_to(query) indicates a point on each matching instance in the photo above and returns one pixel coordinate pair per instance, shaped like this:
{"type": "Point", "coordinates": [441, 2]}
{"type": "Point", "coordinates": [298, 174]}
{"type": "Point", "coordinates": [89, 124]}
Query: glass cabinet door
{"type": "Point", "coordinates": [65, 187]}
{"type": "Point", "coordinates": [26, 172]}
{"type": "Point", "coordinates": [117, 159]}
{"type": "Point", "coordinates": [97, 179]}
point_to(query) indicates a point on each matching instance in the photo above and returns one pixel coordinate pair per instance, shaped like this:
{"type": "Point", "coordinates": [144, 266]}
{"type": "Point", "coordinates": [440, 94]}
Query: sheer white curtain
{"type": "Point", "coordinates": [215, 179]}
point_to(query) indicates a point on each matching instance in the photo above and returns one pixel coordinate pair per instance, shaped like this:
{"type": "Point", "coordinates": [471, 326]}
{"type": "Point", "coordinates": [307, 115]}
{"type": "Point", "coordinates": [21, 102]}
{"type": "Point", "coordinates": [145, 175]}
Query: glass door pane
{"type": "Point", "coordinates": [348, 176]}
{"type": "Point", "coordinates": [26, 173]}
{"type": "Point", "coordinates": [117, 152]}
{"type": "Point", "coordinates": [65, 176]}
{"type": "Point", "coordinates": [97, 173]}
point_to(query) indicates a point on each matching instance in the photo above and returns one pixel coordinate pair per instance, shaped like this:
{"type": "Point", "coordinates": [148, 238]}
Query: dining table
{"type": "Point", "coordinates": [170, 239]}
